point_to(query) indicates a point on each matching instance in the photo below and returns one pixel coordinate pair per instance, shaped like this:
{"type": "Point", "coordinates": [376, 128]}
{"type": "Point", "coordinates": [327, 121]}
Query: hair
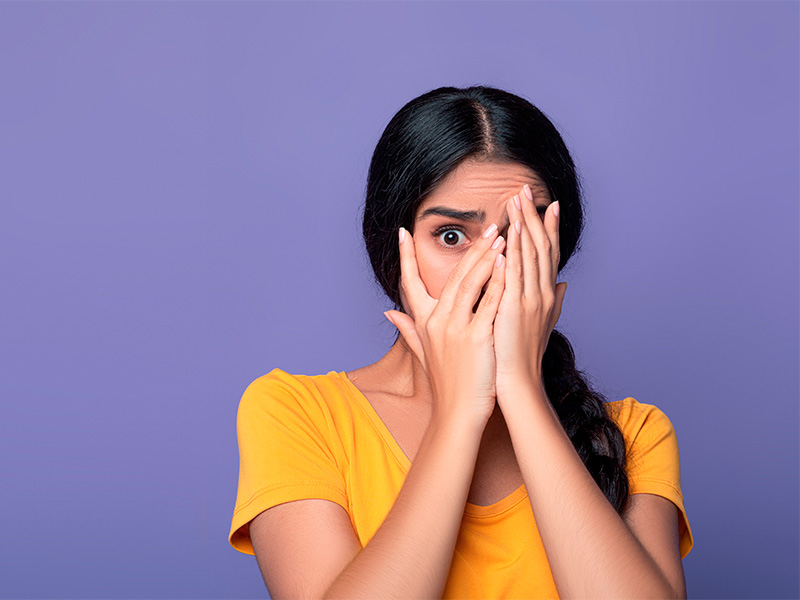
{"type": "Point", "coordinates": [426, 140]}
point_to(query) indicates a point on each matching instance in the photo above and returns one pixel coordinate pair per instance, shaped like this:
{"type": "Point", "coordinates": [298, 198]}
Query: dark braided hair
{"type": "Point", "coordinates": [428, 138]}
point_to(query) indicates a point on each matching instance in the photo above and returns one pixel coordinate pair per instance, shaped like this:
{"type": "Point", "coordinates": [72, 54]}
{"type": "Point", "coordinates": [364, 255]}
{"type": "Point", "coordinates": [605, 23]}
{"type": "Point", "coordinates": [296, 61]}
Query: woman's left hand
{"type": "Point", "coordinates": [531, 303]}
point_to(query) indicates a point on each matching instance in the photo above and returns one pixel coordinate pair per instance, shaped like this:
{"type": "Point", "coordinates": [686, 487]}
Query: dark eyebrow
{"type": "Point", "coordinates": [476, 216]}
{"type": "Point", "coordinates": [462, 215]}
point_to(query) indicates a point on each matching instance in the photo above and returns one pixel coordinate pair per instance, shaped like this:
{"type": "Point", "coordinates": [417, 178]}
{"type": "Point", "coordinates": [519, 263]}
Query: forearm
{"type": "Point", "coordinates": [591, 551]}
{"type": "Point", "coordinates": [410, 554]}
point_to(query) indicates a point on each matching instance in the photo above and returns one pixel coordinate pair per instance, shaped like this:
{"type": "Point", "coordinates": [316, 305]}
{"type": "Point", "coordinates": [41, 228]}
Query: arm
{"type": "Point", "coordinates": [410, 554]}
{"type": "Point", "coordinates": [593, 552]}
{"type": "Point", "coordinates": [308, 549]}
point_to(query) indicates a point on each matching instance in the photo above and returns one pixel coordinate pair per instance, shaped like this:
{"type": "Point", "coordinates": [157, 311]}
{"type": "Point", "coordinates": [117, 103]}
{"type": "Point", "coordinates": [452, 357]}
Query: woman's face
{"type": "Point", "coordinates": [463, 205]}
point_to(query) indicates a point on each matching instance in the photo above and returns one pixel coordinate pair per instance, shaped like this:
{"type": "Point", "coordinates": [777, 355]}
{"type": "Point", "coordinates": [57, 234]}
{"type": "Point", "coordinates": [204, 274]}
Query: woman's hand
{"type": "Point", "coordinates": [531, 302]}
{"type": "Point", "coordinates": [454, 345]}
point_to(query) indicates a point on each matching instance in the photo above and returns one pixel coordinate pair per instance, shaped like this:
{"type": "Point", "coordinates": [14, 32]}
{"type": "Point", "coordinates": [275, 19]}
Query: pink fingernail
{"type": "Point", "coordinates": [555, 208]}
{"type": "Point", "coordinates": [489, 230]}
{"type": "Point", "coordinates": [518, 227]}
{"type": "Point", "coordinates": [516, 201]}
{"type": "Point", "coordinates": [497, 242]}
{"type": "Point", "coordinates": [402, 235]}
{"type": "Point", "coordinates": [528, 193]}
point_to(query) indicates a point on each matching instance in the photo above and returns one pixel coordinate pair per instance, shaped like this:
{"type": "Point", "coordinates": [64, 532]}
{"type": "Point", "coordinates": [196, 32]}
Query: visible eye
{"type": "Point", "coordinates": [448, 235]}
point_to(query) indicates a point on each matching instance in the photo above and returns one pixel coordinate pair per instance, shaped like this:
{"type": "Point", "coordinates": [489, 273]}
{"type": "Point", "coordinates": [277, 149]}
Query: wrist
{"type": "Point", "coordinates": [531, 382]}
{"type": "Point", "coordinates": [459, 422]}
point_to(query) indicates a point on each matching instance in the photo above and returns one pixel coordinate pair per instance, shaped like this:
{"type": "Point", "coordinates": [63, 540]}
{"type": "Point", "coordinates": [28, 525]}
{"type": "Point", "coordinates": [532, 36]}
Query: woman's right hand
{"type": "Point", "coordinates": [455, 345]}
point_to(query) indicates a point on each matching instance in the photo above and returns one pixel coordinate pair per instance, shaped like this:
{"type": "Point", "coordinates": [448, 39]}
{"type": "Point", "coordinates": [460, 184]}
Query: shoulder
{"type": "Point", "coordinates": [280, 389]}
{"type": "Point", "coordinates": [636, 418]}
{"type": "Point", "coordinates": [647, 430]}
{"type": "Point", "coordinates": [650, 440]}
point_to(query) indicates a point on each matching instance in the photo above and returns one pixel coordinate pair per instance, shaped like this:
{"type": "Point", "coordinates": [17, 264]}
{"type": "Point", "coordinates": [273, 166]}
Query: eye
{"type": "Point", "coordinates": [448, 235]}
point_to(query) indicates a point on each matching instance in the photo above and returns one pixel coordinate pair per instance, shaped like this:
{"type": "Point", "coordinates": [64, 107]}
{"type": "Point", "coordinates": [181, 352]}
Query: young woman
{"type": "Point", "coordinates": [472, 460]}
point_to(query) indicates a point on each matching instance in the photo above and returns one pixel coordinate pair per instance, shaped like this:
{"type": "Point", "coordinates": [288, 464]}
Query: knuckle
{"type": "Point", "coordinates": [467, 285]}
{"type": "Point", "coordinates": [432, 326]}
{"type": "Point", "coordinates": [489, 298]}
{"type": "Point", "coordinates": [456, 274]}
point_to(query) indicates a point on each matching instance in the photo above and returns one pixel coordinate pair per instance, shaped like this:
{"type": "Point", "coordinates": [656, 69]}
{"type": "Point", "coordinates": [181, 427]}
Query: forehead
{"type": "Point", "coordinates": [485, 184]}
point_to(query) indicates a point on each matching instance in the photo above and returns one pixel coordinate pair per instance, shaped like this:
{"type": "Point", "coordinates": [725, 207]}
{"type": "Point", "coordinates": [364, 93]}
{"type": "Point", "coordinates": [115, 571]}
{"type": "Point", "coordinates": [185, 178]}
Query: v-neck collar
{"type": "Point", "coordinates": [474, 510]}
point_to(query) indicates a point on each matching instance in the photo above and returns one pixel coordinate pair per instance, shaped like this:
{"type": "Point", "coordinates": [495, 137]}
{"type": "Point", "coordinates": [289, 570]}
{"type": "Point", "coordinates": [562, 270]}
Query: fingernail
{"type": "Point", "coordinates": [516, 201]}
{"type": "Point", "coordinates": [497, 242]}
{"type": "Point", "coordinates": [499, 260]}
{"type": "Point", "coordinates": [402, 235]}
{"type": "Point", "coordinates": [518, 227]}
{"type": "Point", "coordinates": [555, 208]}
{"type": "Point", "coordinates": [489, 230]}
{"type": "Point", "coordinates": [527, 189]}
{"type": "Point", "coordinates": [386, 314]}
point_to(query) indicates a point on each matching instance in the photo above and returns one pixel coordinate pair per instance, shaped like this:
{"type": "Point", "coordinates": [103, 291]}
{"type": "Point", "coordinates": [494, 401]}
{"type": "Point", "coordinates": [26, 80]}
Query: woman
{"type": "Point", "coordinates": [472, 460]}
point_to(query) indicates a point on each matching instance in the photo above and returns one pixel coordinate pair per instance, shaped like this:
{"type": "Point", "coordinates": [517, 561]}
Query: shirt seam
{"type": "Point", "coordinates": [376, 428]}
{"type": "Point", "coordinates": [293, 483]}
{"type": "Point", "coordinates": [496, 514]}
{"type": "Point", "coordinates": [655, 480]}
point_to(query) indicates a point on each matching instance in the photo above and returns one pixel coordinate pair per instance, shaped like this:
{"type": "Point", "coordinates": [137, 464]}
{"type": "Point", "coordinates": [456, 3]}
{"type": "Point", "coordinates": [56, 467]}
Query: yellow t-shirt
{"type": "Point", "coordinates": [317, 436]}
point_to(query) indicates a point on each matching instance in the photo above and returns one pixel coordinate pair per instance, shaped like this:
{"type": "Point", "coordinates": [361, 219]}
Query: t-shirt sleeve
{"type": "Point", "coordinates": [654, 462]}
{"type": "Point", "coordinates": [284, 435]}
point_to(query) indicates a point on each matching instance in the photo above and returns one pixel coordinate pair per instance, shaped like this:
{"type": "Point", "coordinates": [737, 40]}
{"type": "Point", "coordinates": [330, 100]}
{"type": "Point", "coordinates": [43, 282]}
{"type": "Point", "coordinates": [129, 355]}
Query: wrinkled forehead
{"type": "Point", "coordinates": [481, 187]}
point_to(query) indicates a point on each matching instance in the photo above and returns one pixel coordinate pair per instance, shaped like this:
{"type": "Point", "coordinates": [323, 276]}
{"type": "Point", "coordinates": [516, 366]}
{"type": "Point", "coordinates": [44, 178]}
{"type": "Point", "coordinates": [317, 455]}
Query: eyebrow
{"type": "Point", "coordinates": [470, 216]}
{"type": "Point", "coordinates": [477, 216]}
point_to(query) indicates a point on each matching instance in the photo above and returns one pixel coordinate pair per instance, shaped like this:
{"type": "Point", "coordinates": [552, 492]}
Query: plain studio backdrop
{"type": "Point", "coordinates": [180, 192]}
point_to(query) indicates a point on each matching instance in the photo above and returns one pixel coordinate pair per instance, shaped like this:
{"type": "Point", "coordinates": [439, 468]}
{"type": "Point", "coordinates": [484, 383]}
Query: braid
{"type": "Point", "coordinates": [582, 412]}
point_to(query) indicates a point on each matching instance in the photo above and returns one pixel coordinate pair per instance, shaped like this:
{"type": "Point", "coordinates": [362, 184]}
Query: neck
{"type": "Point", "coordinates": [405, 377]}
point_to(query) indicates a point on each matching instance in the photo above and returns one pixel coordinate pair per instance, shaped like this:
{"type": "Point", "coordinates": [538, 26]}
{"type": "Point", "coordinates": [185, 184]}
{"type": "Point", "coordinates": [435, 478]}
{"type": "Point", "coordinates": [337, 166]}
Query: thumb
{"type": "Point", "coordinates": [408, 330]}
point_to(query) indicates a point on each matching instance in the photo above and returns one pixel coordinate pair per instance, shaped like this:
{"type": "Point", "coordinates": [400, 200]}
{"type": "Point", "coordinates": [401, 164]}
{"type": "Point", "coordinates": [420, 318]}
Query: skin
{"type": "Point", "coordinates": [496, 355]}
{"type": "Point", "coordinates": [475, 356]}
{"type": "Point", "coordinates": [441, 242]}
{"type": "Point", "coordinates": [399, 379]}
{"type": "Point", "coordinates": [472, 186]}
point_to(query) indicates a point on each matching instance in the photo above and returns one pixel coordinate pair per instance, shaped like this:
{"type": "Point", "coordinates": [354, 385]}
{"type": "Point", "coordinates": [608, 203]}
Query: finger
{"type": "Point", "coordinates": [540, 240]}
{"type": "Point", "coordinates": [408, 329]}
{"type": "Point", "coordinates": [530, 254]}
{"type": "Point", "coordinates": [464, 266]}
{"type": "Point", "coordinates": [552, 223]}
{"type": "Point", "coordinates": [513, 267]}
{"type": "Point", "coordinates": [470, 288]}
{"type": "Point", "coordinates": [487, 308]}
{"type": "Point", "coordinates": [413, 286]}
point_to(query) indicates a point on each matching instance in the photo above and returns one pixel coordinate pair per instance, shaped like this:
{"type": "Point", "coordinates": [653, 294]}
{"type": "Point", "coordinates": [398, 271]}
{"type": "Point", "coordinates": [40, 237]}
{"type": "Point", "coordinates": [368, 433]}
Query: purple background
{"type": "Point", "coordinates": [181, 186]}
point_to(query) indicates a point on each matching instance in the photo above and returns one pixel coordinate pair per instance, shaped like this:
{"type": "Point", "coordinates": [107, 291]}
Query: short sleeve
{"type": "Point", "coordinates": [285, 454]}
{"type": "Point", "coordinates": [654, 460]}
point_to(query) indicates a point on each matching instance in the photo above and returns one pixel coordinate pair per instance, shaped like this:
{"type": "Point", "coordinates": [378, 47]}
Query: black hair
{"type": "Point", "coordinates": [425, 141]}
